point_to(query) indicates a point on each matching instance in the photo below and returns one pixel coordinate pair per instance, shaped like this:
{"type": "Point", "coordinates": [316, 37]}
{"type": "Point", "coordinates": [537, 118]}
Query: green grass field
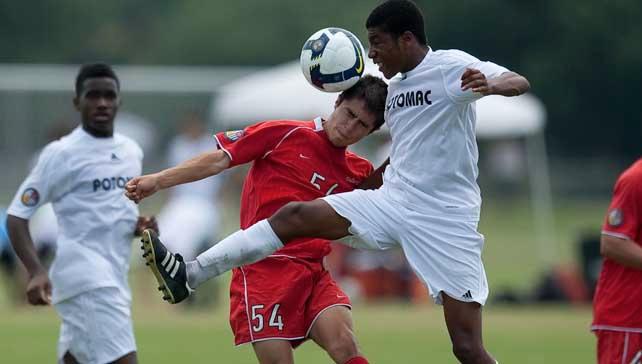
{"type": "Point", "coordinates": [388, 333]}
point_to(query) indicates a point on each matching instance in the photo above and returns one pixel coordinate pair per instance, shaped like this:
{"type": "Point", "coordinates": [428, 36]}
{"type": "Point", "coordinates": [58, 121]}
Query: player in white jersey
{"type": "Point", "coordinates": [429, 202]}
{"type": "Point", "coordinates": [194, 204]}
{"type": "Point", "coordinates": [83, 175]}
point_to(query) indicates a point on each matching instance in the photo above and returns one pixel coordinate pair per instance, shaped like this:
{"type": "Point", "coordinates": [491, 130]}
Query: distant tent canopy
{"type": "Point", "coordinates": [282, 92]}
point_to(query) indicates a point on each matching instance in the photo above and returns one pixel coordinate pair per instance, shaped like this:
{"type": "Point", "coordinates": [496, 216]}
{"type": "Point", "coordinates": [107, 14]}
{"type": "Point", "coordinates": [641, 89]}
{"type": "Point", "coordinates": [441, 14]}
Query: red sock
{"type": "Point", "coordinates": [357, 360]}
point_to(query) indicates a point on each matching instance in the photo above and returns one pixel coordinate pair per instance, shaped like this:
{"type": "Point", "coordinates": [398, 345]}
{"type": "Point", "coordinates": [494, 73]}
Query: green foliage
{"type": "Point", "coordinates": [582, 58]}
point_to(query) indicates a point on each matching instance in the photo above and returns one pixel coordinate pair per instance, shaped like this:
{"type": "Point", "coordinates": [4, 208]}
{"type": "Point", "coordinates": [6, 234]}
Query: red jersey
{"type": "Point", "coordinates": [617, 304]}
{"type": "Point", "coordinates": [292, 161]}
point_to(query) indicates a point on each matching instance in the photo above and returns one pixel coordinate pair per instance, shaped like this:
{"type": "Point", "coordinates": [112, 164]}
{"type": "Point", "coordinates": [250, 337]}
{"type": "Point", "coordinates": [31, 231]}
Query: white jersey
{"type": "Point", "coordinates": [84, 179]}
{"type": "Point", "coordinates": [433, 161]}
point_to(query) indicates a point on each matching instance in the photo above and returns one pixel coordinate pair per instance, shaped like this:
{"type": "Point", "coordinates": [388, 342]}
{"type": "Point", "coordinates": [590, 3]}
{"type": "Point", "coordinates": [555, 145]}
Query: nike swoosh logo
{"type": "Point", "coordinates": [360, 67]}
{"type": "Point", "coordinates": [304, 157]}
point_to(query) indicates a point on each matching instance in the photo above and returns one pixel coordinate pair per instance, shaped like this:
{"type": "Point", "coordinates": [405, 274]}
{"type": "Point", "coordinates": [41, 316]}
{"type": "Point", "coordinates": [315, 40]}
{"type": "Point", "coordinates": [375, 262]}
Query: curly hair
{"type": "Point", "coordinates": [396, 17]}
{"type": "Point", "coordinates": [94, 70]}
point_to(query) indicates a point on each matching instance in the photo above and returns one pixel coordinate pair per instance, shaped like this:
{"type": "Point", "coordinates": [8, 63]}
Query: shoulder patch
{"type": "Point", "coordinates": [615, 217]}
{"type": "Point", "coordinates": [30, 197]}
{"type": "Point", "coordinates": [234, 135]}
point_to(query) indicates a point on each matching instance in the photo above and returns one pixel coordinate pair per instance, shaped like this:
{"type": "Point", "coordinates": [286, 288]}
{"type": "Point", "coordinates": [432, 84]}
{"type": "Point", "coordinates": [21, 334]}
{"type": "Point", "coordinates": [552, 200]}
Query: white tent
{"type": "Point", "coordinates": [282, 92]}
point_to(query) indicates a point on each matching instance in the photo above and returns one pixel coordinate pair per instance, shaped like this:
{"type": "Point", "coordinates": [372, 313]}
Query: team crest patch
{"type": "Point", "coordinates": [234, 135]}
{"type": "Point", "coordinates": [615, 217]}
{"type": "Point", "coordinates": [30, 197]}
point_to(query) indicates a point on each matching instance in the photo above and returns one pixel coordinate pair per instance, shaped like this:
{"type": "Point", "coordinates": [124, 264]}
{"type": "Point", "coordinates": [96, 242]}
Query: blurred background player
{"type": "Point", "coordinates": [430, 203]}
{"type": "Point", "coordinates": [617, 304]}
{"type": "Point", "coordinates": [283, 300]}
{"type": "Point", "coordinates": [83, 175]}
{"type": "Point", "coordinates": [190, 217]}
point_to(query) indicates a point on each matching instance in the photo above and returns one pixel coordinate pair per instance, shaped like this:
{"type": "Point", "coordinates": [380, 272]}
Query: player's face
{"type": "Point", "coordinates": [350, 122]}
{"type": "Point", "coordinates": [386, 52]}
{"type": "Point", "coordinates": [98, 103]}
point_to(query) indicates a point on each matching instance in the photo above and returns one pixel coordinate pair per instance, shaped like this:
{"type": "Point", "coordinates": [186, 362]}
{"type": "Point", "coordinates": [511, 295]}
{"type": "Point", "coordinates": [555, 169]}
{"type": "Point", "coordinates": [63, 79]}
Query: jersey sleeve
{"type": "Point", "coordinates": [253, 142]}
{"type": "Point", "coordinates": [623, 216]}
{"type": "Point", "coordinates": [46, 182]}
{"type": "Point", "coordinates": [454, 69]}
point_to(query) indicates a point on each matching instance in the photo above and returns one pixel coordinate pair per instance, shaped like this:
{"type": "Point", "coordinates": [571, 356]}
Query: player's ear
{"type": "Point", "coordinates": [338, 101]}
{"type": "Point", "coordinates": [77, 103]}
{"type": "Point", "coordinates": [407, 37]}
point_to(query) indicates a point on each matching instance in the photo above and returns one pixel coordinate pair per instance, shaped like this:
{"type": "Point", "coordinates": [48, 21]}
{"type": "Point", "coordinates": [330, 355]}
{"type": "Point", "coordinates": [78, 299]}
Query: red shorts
{"type": "Point", "coordinates": [619, 347]}
{"type": "Point", "coordinates": [280, 298]}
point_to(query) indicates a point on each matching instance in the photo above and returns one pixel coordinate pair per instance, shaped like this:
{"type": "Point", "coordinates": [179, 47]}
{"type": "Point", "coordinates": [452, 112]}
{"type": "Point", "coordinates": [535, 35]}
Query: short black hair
{"type": "Point", "coordinates": [396, 17]}
{"type": "Point", "coordinates": [373, 90]}
{"type": "Point", "coordinates": [94, 70]}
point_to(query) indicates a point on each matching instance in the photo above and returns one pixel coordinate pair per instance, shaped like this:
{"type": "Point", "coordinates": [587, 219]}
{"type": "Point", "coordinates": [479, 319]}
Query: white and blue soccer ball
{"type": "Point", "coordinates": [332, 59]}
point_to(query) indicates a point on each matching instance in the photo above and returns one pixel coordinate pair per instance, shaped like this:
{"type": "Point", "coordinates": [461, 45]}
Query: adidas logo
{"type": "Point", "coordinates": [114, 157]}
{"type": "Point", "coordinates": [467, 295]}
{"type": "Point", "coordinates": [171, 264]}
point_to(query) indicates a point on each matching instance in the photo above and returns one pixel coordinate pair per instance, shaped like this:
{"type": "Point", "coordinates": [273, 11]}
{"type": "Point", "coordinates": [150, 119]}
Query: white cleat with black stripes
{"type": "Point", "coordinates": [168, 268]}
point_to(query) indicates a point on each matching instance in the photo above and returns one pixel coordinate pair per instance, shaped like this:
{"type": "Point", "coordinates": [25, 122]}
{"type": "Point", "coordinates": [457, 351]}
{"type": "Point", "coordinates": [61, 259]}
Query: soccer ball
{"type": "Point", "coordinates": [332, 59]}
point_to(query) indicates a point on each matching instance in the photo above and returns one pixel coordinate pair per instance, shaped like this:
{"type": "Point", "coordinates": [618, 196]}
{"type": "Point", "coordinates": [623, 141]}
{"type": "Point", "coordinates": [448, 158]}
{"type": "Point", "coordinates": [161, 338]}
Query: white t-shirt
{"type": "Point", "coordinates": [84, 179]}
{"type": "Point", "coordinates": [433, 161]}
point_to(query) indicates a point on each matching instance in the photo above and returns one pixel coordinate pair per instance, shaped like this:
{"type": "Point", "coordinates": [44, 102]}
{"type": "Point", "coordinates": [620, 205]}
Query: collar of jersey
{"type": "Point", "coordinates": [84, 134]}
{"type": "Point", "coordinates": [416, 69]}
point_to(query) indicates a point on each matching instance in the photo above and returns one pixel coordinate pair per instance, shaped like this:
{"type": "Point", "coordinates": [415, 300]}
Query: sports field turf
{"type": "Point", "coordinates": [388, 333]}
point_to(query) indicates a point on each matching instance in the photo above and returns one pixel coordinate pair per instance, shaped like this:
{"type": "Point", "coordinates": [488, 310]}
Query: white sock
{"type": "Point", "coordinates": [241, 248]}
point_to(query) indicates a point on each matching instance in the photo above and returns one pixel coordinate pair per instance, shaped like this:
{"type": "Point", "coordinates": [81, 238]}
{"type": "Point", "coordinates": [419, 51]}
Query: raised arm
{"type": "Point", "coordinates": [506, 84]}
{"type": "Point", "coordinates": [202, 166]}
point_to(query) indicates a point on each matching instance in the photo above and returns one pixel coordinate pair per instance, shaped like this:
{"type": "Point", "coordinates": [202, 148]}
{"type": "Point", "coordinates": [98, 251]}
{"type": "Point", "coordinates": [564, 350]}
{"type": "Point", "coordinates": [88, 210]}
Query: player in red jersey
{"type": "Point", "coordinates": [280, 301]}
{"type": "Point", "coordinates": [617, 305]}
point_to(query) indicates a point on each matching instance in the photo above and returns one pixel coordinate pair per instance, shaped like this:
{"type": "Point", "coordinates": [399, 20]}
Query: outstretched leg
{"type": "Point", "coordinates": [464, 322]}
{"type": "Point", "coordinates": [315, 219]}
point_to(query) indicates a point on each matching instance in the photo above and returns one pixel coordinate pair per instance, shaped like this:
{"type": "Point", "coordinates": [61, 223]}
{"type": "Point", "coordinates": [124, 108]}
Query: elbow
{"type": "Point", "coordinates": [526, 86]}
{"type": "Point", "coordinates": [521, 85]}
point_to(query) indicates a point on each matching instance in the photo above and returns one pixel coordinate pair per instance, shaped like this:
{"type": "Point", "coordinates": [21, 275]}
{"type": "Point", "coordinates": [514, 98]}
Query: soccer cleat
{"type": "Point", "coordinates": [168, 268]}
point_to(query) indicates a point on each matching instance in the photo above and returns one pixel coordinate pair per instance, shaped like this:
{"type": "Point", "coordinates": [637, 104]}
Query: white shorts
{"type": "Point", "coordinates": [444, 251]}
{"type": "Point", "coordinates": [96, 326]}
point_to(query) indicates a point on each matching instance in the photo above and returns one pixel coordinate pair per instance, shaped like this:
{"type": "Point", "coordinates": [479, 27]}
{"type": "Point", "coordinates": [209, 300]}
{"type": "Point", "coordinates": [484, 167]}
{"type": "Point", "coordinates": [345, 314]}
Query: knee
{"type": "Point", "coordinates": [343, 347]}
{"type": "Point", "coordinates": [468, 351]}
{"type": "Point", "coordinates": [292, 214]}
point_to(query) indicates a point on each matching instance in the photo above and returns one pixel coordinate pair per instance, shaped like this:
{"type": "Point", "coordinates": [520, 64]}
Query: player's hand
{"type": "Point", "coordinates": [39, 289]}
{"type": "Point", "coordinates": [140, 187]}
{"type": "Point", "coordinates": [146, 222]}
{"type": "Point", "coordinates": [474, 79]}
